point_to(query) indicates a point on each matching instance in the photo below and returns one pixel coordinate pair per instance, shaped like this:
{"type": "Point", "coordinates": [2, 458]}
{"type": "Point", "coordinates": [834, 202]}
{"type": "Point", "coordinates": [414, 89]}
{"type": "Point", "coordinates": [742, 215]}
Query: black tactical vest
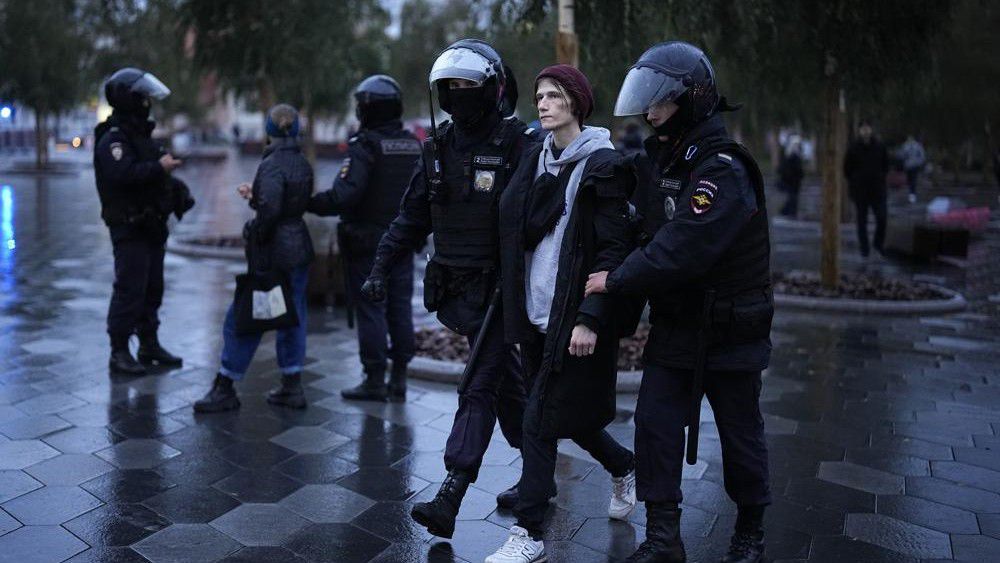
{"type": "Point", "coordinates": [464, 218]}
{"type": "Point", "coordinates": [394, 154]}
{"type": "Point", "coordinates": [745, 266]}
{"type": "Point", "coordinates": [122, 204]}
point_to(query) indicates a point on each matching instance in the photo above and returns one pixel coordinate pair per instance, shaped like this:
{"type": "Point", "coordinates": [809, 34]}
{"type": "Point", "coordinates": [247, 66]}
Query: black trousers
{"type": "Point", "coordinates": [495, 392]}
{"type": "Point", "coordinates": [538, 455]}
{"type": "Point", "coordinates": [876, 202]}
{"type": "Point", "coordinates": [138, 287]}
{"type": "Point", "coordinates": [662, 413]}
{"type": "Point", "coordinates": [392, 317]}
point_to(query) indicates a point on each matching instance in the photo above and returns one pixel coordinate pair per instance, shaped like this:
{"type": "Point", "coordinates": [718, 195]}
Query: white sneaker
{"type": "Point", "coordinates": [622, 496]}
{"type": "Point", "coordinates": [519, 548]}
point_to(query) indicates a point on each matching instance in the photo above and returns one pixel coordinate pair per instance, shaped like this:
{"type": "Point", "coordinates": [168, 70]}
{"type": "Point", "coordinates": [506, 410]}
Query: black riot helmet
{"type": "Point", "coordinates": [670, 72]}
{"type": "Point", "coordinates": [129, 90]}
{"type": "Point", "coordinates": [379, 100]}
{"type": "Point", "coordinates": [476, 61]}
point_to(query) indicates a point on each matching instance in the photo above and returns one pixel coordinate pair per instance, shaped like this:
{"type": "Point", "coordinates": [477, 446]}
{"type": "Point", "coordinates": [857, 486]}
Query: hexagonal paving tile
{"type": "Point", "coordinates": [326, 503]}
{"type": "Point", "coordinates": [890, 533]}
{"type": "Point", "coordinates": [258, 486]}
{"type": "Point", "coordinates": [336, 543]}
{"type": "Point", "coordinates": [33, 427]}
{"type": "Point", "coordinates": [259, 524]}
{"type": "Point", "coordinates": [15, 483]}
{"type": "Point", "coordinates": [861, 477]}
{"type": "Point", "coordinates": [50, 403]}
{"type": "Point", "coordinates": [309, 439]}
{"type": "Point", "coordinates": [187, 504]}
{"type": "Point", "coordinates": [7, 523]}
{"type": "Point", "coordinates": [186, 542]}
{"type": "Point", "coordinates": [38, 544]}
{"type": "Point", "coordinates": [51, 505]}
{"type": "Point", "coordinates": [116, 525]}
{"type": "Point", "coordinates": [138, 453]}
{"type": "Point", "coordinates": [69, 469]}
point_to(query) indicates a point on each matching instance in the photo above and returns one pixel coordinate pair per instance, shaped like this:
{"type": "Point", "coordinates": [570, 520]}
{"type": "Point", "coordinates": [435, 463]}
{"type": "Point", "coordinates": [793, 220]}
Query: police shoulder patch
{"type": "Point", "coordinates": [345, 167]}
{"type": "Point", "coordinates": [703, 196]}
{"type": "Point", "coordinates": [117, 151]}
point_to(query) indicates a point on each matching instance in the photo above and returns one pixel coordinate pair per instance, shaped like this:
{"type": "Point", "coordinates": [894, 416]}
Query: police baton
{"type": "Point", "coordinates": [480, 336]}
{"type": "Point", "coordinates": [697, 382]}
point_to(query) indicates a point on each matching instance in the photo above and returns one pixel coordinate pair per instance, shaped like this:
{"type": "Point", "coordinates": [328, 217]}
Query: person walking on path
{"type": "Point", "coordinates": [913, 157]}
{"type": "Point", "coordinates": [276, 238]}
{"type": "Point", "coordinates": [865, 167]}
{"type": "Point", "coordinates": [790, 176]}
{"type": "Point", "coordinates": [563, 216]}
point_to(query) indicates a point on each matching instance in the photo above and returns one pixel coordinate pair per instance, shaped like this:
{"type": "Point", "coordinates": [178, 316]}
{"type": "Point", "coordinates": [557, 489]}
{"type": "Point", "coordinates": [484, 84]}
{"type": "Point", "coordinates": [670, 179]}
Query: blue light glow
{"type": "Point", "coordinates": [6, 226]}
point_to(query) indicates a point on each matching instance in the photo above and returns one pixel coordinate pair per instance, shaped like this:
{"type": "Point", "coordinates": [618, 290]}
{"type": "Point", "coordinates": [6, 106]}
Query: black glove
{"type": "Point", "coordinates": [374, 287]}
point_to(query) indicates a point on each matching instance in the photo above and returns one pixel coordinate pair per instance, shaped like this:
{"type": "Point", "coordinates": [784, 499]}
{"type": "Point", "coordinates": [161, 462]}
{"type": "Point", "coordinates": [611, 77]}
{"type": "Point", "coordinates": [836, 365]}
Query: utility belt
{"type": "Point", "coordinates": [458, 295]}
{"type": "Point", "coordinates": [735, 319]}
{"type": "Point", "coordinates": [146, 218]}
{"type": "Point", "coordinates": [358, 239]}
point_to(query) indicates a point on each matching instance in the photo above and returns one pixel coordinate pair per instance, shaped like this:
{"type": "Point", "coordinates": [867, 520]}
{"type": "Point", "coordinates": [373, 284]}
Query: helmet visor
{"type": "Point", "coordinates": [461, 63]}
{"type": "Point", "coordinates": [149, 85]}
{"type": "Point", "coordinates": [643, 88]}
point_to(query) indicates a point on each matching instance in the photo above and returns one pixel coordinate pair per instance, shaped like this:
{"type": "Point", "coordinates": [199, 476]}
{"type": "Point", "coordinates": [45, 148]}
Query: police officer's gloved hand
{"type": "Point", "coordinates": [374, 287]}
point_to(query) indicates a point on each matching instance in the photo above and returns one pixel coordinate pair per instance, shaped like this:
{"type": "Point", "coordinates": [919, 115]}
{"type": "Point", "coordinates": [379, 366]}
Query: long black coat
{"type": "Point", "coordinates": [277, 236]}
{"type": "Point", "coordinates": [577, 395]}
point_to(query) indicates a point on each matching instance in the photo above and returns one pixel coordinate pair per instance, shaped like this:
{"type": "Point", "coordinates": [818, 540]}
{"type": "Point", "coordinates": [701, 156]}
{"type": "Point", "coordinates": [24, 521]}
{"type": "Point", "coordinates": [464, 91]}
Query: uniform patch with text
{"type": "Point", "coordinates": [703, 196]}
{"type": "Point", "coordinates": [345, 167]}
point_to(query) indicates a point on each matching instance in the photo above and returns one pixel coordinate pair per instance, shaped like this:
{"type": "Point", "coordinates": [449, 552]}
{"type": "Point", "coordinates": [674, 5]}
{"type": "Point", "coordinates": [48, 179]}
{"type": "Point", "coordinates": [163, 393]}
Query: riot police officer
{"type": "Point", "coordinates": [454, 193]}
{"type": "Point", "coordinates": [705, 270]}
{"type": "Point", "coordinates": [366, 193]}
{"type": "Point", "coordinates": [137, 195]}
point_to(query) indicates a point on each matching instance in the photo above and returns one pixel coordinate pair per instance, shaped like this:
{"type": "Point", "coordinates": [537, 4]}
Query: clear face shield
{"type": "Point", "coordinates": [645, 87]}
{"type": "Point", "coordinates": [461, 63]}
{"type": "Point", "coordinates": [150, 86]}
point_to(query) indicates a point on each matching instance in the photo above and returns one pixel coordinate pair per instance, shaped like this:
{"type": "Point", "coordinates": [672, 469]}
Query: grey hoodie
{"type": "Point", "coordinates": [542, 265]}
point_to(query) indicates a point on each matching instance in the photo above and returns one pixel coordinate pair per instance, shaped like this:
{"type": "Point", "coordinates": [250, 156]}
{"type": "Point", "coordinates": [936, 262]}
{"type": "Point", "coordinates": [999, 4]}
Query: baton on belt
{"type": "Point", "coordinates": [697, 382]}
{"type": "Point", "coordinates": [480, 336]}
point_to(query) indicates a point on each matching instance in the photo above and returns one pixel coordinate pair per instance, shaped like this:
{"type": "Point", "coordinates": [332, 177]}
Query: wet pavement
{"type": "Point", "coordinates": [883, 432]}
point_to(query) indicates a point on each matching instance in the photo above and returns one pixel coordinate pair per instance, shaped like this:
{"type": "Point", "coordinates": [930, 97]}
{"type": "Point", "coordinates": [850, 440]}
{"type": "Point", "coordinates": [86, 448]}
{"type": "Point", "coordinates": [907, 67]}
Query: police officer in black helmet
{"type": "Point", "coordinates": [137, 195]}
{"type": "Point", "coordinates": [705, 270]}
{"type": "Point", "coordinates": [366, 194]}
{"type": "Point", "coordinates": [454, 194]}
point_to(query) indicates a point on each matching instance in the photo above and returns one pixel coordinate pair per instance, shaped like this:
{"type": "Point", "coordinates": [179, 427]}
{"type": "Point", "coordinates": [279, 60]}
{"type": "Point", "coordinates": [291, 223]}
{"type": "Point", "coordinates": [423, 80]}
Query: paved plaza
{"type": "Point", "coordinates": [884, 432]}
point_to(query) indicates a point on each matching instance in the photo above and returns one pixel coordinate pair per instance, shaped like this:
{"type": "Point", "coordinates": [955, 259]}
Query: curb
{"type": "Point", "coordinates": [183, 248]}
{"type": "Point", "coordinates": [954, 303]}
{"type": "Point", "coordinates": [443, 371]}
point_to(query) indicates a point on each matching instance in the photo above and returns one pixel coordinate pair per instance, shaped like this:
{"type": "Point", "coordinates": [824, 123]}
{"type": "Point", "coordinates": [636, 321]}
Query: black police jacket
{"type": "Point", "coordinates": [277, 236]}
{"type": "Point", "coordinates": [131, 183]}
{"type": "Point", "coordinates": [597, 237]}
{"type": "Point", "coordinates": [706, 223]}
{"type": "Point", "coordinates": [461, 275]}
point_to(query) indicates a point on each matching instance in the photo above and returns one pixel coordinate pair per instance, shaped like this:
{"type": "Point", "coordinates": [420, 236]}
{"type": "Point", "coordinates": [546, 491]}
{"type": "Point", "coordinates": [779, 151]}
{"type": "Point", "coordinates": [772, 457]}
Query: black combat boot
{"type": "Point", "coordinates": [289, 394]}
{"type": "Point", "coordinates": [150, 351]}
{"type": "Point", "coordinates": [508, 499]}
{"type": "Point", "coordinates": [438, 515]}
{"type": "Point", "coordinates": [747, 545]}
{"type": "Point", "coordinates": [222, 397]}
{"type": "Point", "coordinates": [373, 387]}
{"type": "Point", "coordinates": [663, 535]}
{"type": "Point", "coordinates": [121, 361]}
{"type": "Point", "coordinates": [397, 383]}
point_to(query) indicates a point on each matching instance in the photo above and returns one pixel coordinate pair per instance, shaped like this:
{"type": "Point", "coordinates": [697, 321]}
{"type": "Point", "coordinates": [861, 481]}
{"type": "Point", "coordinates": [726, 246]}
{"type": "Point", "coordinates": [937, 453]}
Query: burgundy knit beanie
{"type": "Point", "coordinates": [576, 85]}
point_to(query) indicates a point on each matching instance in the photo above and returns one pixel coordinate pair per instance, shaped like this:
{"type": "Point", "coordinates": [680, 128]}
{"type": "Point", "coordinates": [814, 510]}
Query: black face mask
{"type": "Point", "coordinates": [467, 106]}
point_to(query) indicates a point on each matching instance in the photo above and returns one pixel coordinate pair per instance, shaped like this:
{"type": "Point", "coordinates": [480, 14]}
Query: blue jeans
{"type": "Point", "coordinates": [238, 349]}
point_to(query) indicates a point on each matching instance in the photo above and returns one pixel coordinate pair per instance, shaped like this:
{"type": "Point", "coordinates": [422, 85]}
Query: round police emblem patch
{"type": "Point", "coordinates": [484, 180]}
{"type": "Point", "coordinates": [703, 196]}
{"type": "Point", "coordinates": [669, 207]}
{"type": "Point", "coordinates": [117, 151]}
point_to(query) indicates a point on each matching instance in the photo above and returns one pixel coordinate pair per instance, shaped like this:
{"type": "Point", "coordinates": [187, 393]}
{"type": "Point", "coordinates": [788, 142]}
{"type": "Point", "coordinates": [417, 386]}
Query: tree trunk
{"type": "Point", "coordinates": [310, 138]}
{"type": "Point", "coordinates": [831, 192]}
{"type": "Point", "coordinates": [41, 141]}
{"type": "Point", "coordinates": [567, 49]}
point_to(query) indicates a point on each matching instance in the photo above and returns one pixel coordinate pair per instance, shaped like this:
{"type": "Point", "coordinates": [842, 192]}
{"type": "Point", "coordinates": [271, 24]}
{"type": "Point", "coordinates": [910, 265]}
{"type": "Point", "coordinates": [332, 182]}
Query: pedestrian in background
{"type": "Point", "coordinates": [912, 155]}
{"type": "Point", "coordinates": [865, 167]}
{"type": "Point", "coordinates": [276, 238]}
{"type": "Point", "coordinates": [790, 176]}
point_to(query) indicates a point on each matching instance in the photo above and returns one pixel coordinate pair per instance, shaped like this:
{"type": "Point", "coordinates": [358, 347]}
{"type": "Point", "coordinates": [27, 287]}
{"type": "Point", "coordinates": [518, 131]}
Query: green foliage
{"type": "Point", "coordinates": [45, 54]}
{"type": "Point", "coordinates": [309, 53]}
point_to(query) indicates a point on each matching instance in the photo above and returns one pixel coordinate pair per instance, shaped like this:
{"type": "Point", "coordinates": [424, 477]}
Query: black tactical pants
{"type": "Point", "coordinates": [662, 413]}
{"type": "Point", "coordinates": [138, 286]}
{"type": "Point", "coordinates": [876, 202]}
{"type": "Point", "coordinates": [392, 317]}
{"type": "Point", "coordinates": [495, 391]}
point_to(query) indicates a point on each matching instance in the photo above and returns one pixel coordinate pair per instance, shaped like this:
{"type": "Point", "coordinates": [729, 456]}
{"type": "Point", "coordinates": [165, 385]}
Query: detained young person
{"type": "Point", "coordinates": [563, 216]}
